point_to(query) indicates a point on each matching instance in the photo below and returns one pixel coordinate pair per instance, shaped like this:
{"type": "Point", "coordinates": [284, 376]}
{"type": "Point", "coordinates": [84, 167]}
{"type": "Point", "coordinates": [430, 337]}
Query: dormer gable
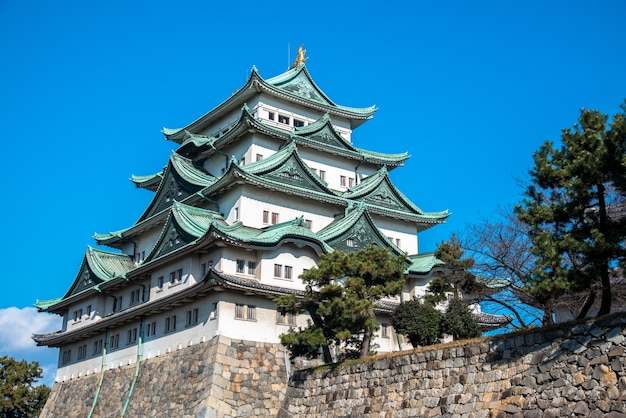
{"type": "Point", "coordinates": [184, 225]}
{"type": "Point", "coordinates": [181, 179]}
{"type": "Point", "coordinates": [355, 231]}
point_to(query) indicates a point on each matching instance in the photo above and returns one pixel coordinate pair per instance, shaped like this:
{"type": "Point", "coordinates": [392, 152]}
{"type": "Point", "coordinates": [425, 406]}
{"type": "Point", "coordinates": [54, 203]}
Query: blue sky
{"type": "Point", "coordinates": [469, 89]}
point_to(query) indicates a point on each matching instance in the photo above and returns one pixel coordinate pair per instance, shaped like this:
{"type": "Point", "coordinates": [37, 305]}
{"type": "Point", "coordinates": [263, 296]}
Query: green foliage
{"type": "Point", "coordinates": [459, 322]}
{"type": "Point", "coordinates": [19, 397]}
{"type": "Point", "coordinates": [574, 209]}
{"type": "Point", "coordinates": [305, 342]}
{"type": "Point", "coordinates": [458, 276]}
{"type": "Point", "coordinates": [420, 322]}
{"type": "Point", "coordinates": [342, 292]}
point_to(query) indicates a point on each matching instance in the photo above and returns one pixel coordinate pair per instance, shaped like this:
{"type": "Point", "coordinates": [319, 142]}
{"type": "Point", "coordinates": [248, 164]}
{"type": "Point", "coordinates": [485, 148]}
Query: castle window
{"type": "Point", "coordinates": [97, 347]}
{"type": "Point", "coordinates": [240, 266]}
{"type": "Point", "coordinates": [131, 336]}
{"type": "Point", "coordinates": [88, 311]}
{"type": "Point", "coordinates": [170, 324]}
{"type": "Point", "coordinates": [242, 161]}
{"type": "Point", "coordinates": [309, 223]}
{"type": "Point", "coordinates": [78, 314]}
{"type": "Point", "coordinates": [82, 352]}
{"type": "Point", "coordinates": [323, 174]}
{"type": "Point", "coordinates": [342, 181]}
{"type": "Point", "coordinates": [270, 115]}
{"type": "Point", "coordinates": [176, 276]}
{"type": "Point", "coordinates": [160, 283]}
{"type": "Point", "coordinates": [398, 242]}
{"type": "Point", "coordinates": [288, 318]}
{"type": "Point", "coordinates": [67, 357]}
{"type": "Point", "coordinates": [203, 269]}
{"type": "Point", "coordinates": [135, 296]}
{"type": "Point", "coordinates": [259, 157]}
{"type": "Point", "coordinates": [274, 218]}
{"type": "Point", "coordinates": [298, 123]}
{"type": "Point", "coordinates": [117, 305]}
{"type": "Point", "coordinates": [283, 119]}
{"type": "Point", "coordinates": [245, 312]}
{"type": "Point", "coordinates": [349, 242]}
{"type": "Point", "coordinates": [192, 317]}
{"type": "Point", "coordinates": [114, 341]}
{"type": "Point", "coordinates": [214, 311]}
{"type": "Point", "coordinates": [236, 214]}
{"type": "Point", "coordinates": [278, 270]}
{"type": "Point", "coordinates": [350, 182]}
{"type": "Point", "coordinates": [266, 216]}
{"type": "Point", "coordinates": [288, 272]}
{"type": "Point", "coordinates": [384, 330]}
{"type": "Point", "coordinates": [251, 267]}
{"type": "Point", "coordinates": [151, 329]}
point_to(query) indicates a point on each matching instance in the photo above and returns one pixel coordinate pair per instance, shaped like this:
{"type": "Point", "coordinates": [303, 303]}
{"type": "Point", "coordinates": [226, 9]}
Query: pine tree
{"type": "Point", "coordinates": [572, 208]}
{"type": "Point", "coordinates": [19, 396]}
{"type": "Point", "coordinates": [342, 293]}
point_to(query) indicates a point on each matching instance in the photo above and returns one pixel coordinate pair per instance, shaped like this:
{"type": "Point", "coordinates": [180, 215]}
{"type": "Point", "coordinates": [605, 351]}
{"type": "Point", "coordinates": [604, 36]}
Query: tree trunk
{"type": "Point", "coordinates": [605, 305]}
{"type": "Point", "coordinates": [367, 340]}
{"type": "Point", "coordinates": [587, 305]}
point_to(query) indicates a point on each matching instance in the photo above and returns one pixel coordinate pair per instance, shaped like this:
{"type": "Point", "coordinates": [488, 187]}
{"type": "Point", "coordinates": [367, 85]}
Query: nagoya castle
{"type": "Point", "coordinates": [257, 190]}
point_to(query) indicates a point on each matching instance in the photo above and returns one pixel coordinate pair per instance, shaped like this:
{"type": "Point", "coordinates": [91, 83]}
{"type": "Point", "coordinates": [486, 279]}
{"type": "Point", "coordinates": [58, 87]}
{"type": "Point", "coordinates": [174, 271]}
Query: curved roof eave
{"type": "Point", "coordinates": [255, 85]}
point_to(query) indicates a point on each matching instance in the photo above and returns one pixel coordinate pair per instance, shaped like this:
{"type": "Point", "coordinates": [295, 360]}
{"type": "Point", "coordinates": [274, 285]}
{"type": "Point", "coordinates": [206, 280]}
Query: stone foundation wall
{"type": "Point", "coordinates": [578, 371]}
{"type": "Point", "coordinates": [218, 378]}
{"type": "Point", "coordinates": [575, 371]}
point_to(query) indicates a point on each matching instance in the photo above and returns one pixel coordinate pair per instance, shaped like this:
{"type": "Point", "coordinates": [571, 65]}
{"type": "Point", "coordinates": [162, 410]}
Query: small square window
{"type": "Point", "coordinates": [160, 282]}
{"type": "Point", "coordinates": [274, 218]}
{"type": "Point", "coordinates": [97, 347]}
{"type": "Point", "coordinates": [266, 216]}
{"type": "Point", "coordinates": [384, 331]}
{"type": "Point", "coordinates": [270, 115]}
{"type": "Point", "coordinates": [342, 181]}
{"type": "Point", "coordinates": [309, 223]}
{"type": "Point", "coordinates": [278, 270]}
{"type": "Point", "coordinates": [298, 123]}
{"type": "Point", "coordinates": [240, 266]}
{"type": "Point", "coordinates": [214, 311]}
{"type": "Point", "coordinates": [288, 272]}
{"type": "Point", "coordinates": [67, 357]}
{"type": "Point", "coordinates": [131, 336]}
{"type": "Point", "coordinates": [82, 352]}
{"type": "Point", "coordinates": [283, 119]}
{"type": "Point", "coordinates": [114, 341]}
{"type": "Point", "coordinates": [259, 157]}
{"type": "Point", "coordinates": [192, 317]}
{"type": "Point", "coordinates": [350, 182]}
{"type": "Point", "coordinates": [323, 174]}
{"type": "Point", "coordinates": [170, 324]}
{"type": "Point", "coordinates": [151, 329]}
{"type": "Point", "coordinates": [251, 267]}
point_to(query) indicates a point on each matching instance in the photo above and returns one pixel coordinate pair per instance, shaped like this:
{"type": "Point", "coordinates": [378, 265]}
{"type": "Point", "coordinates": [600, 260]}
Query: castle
{"type": "Point", "coordinates": [257, 190]}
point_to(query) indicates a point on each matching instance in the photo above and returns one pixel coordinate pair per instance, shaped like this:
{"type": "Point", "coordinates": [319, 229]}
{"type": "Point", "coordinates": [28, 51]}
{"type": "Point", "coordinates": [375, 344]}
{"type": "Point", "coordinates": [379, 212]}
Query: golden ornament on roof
{"type": "Point", "coordinates": [300, 58]}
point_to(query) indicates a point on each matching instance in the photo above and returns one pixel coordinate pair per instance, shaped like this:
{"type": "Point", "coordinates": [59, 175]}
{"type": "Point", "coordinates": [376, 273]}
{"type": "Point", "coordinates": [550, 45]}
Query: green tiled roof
{"type": "Point", "coordinates": [181, 179]}
{"type": "Point", "coordinates": [320, 135]}
{"type": "Point", "coordinates": [379, 192]}
{"type": "Point", "coordinates": [43, 305]}
{"type": "Point", "coordinates": [283, 172]}
{"type": "Point", "coordinates": [98, 267]}
{"type": "Point", "coordinates": [299, 82]}
{"type": "Point", "coordinates": [358, 227]}
{"type": "Point", "coordinates": [294, 230]}
{"type": "Point", "coordinates": [423, 263]}
{"type": "Point", "coordinates": [150, 182]}
{"type": "Point", "coordinates": [295, 85]}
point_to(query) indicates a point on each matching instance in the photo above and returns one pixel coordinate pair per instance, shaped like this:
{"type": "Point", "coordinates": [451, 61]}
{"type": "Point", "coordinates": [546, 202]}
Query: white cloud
{"type": "Point", "coordinates": [17, 325]}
